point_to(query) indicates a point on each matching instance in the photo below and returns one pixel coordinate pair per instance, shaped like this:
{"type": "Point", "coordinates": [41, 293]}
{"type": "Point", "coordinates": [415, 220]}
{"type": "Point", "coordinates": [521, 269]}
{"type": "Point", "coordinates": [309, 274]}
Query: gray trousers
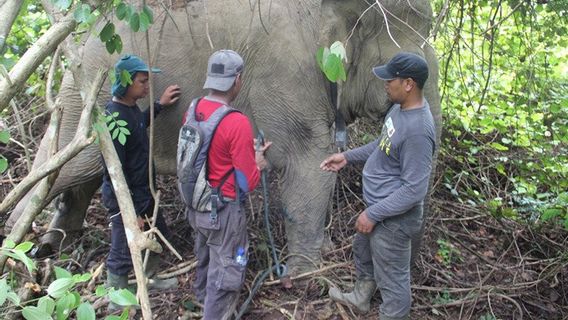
{"type": "Point", "coordinates": [384, 255]}
{"type": "Point", "coordinates": [219, 278]}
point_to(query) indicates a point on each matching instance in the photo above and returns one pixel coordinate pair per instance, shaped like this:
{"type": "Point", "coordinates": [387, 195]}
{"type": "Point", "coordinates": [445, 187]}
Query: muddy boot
{"type": "Point", "coordinates": [118, 282]}
{"type": "Point", "coordinates": [359, 298]}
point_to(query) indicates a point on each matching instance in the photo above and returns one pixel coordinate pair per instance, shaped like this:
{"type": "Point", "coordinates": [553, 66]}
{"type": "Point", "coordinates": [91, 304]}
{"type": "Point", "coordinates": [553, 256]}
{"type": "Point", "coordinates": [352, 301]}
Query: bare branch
{"type": "Point", "coordinates": [8, 12]}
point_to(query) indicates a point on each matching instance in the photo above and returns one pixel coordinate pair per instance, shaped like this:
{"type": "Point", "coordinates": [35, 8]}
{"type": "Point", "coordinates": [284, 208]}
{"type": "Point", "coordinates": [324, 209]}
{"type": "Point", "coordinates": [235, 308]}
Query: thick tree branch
{"type": "Point", "coordinates": [33, 57]}
{"type": "Point", "coordinates": [137, 240]}
{"type": "Point", "coordinates": [8, 12]}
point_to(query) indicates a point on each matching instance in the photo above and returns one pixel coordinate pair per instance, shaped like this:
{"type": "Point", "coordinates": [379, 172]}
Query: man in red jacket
{"type": "Point", "coordinates": [222, 254]}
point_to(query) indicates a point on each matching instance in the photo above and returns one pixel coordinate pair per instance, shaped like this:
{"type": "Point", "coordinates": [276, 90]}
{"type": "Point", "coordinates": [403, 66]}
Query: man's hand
{"type": "Point", "coordinates": [170, 95]}
{"type": "Point", "coordinates": [261, 162]}
{"type": "Point", "coordinates": [364, 224]}
{"type": "Point", "coordinates": [334, 162]}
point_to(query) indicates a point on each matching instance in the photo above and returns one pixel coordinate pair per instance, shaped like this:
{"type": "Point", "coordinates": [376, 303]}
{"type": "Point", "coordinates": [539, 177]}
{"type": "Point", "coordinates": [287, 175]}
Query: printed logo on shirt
{"type": "Point", "coordinates": [390, 127]}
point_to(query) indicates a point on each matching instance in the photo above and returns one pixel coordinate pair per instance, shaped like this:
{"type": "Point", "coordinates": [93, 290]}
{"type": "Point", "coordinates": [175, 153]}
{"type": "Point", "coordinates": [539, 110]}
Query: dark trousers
{"type": "Point", "coordinates": [219, 278]}
{"type": "Point", "coordinates": [119, 261]}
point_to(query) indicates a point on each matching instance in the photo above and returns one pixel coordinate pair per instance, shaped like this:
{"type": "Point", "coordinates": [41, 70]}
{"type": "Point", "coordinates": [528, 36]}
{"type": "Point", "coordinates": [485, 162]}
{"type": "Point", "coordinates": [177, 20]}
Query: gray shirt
{"type": "Point", "coordinates": [399, 163]}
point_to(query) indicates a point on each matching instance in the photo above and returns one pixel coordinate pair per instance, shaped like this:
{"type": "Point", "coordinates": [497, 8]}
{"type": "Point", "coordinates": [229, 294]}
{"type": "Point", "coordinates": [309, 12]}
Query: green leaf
{"type": "Point", "coordinates": [148, 13]}
{"type": "Point", "coordinates": [85, 311]}
{"type": "Point", "coordinates": [24, 246]}
{"type": "Point", "coordinates": [4, 289]}
{"type": "Point", "coordinates": [499, 147]}
{"type": "Point", "coordinates": [144, 22]}
{"type": "Point", "coordinates": [125, 131]}
{"type": "Point", "coordinates": [121, 123]}
{"type": "Point", "coordinates": [123, 297]}
{"type": "Point", "coordinates": [111, 126]}
{"type": "Point", "coordinates": [319, 57]}
{"type": "Point", "coordinates": [9, 244]}
{"type": "Point", "coordinates": [82, 13]}
{"type": "Point", "coordinates": [29, 263]}
{"type": "Point", "coordinates": [115, 114]}
{"type": "Point", "coordinates": [12, 296]}
{"type": "Point", "coordinates": [117, 43]}
{"type": "Point", "coordinates": [125, 78]}
{"type": "Point", "coordinates": [107, 32]}
{"type": "Point", "coordinates": [122, 138]}
{"type": "Point", "coordinates": [338, 49]}
{"type": "Point", "coordinates": [4, 136]}
{"type": "Point", "coordinates": [121, 11]}
{"type": "Point", "coordinates": [82, 278]}
{"type": "Point", "coordinates": [550, 213]}
{"type": "Point", "coordinates": [3, 164]}
{"type": "Point", "coordinates": [61, 273]}
{"type": "Point", "coordinates": [134, 22]}
{"type": "Point", "coordinates": [46, 304]}
{"type": "Point", "coordinates": [64, 306]}
{"type": "Point", "coordinates": [115, 133]}
{"type": "Point", "coordinates": [110, 46]}
{"type": "Point", "coordinates": [62, 4]}
{"type": "Point", "coordinates": [34, 313]}
{"type": "Point", "coordinates": [101, 291]}
{"type": "Point", "coordinates": [333, 68]}
{"type": "Point", "coordinates": [59, 287]}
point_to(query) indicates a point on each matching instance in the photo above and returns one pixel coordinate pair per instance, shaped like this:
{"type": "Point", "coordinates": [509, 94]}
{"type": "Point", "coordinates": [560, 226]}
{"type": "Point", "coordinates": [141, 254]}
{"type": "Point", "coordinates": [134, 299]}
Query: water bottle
{"type": "Point", "coordinates": [241, 257]}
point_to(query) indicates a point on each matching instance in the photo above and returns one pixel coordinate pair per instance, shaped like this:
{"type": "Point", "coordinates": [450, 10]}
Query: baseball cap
{"type": "Point", "coordinates": [404, 65]}
{"type": "Point", "coordinates": [132, 64]}
{"type": "Point", "coordinates": [222, 70]}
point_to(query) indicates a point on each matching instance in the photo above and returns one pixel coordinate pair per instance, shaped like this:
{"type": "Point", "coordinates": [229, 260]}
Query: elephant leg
{"type": "Point", "coordinates": [306, 192]}
{"type": "Point", "coordinates": [70, 210]}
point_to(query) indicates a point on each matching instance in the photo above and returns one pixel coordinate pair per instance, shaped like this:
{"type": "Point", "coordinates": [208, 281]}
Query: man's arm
{"type": "Point", "coordinates": [416, 165]}
{"type": "Point", "coordinates": [362, 153]}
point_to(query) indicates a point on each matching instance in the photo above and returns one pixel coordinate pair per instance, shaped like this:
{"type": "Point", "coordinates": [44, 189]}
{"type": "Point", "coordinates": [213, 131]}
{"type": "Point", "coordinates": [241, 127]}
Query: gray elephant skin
{"type": "Point", "coordinates": [285, 94]}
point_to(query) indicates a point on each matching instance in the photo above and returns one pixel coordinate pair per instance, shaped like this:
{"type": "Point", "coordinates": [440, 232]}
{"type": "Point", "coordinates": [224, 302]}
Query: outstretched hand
{"type": "Point", "coordinates": [170, 95]}
{"type": "Point", "coordinates": [334, 162]}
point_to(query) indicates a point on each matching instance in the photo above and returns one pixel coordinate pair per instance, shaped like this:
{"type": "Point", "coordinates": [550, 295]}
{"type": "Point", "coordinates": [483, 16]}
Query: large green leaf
{"type": "Point", "coordinates": [4, 136]}
{"type": "Point", "coordinates": [61, 273]}
{"type": "Point", "coordinates": [64, 306]}
{"type": "Point", "coordinates": [123, 297]}
{"type": "Point", "coordinates": [34, 313]}
{"type": "Point", "coordinates": [82, 13]}
{"type": "Point", "coordinates": [107, 32]}
{"type": "Point", "coordinates": [3, 164]}
{"type": "Point", "coordinates": [24, 246]}
{"type": "Point", "coordinates": [59, 287]}
{"type": "Point", "coordinates": [85, 311]}
{"type": "Point", "coordinates": [134, 22]}
{"type": "Point", "coordinates": [47, 304]}
{"type": "Point", "coordinates": [121, 11]}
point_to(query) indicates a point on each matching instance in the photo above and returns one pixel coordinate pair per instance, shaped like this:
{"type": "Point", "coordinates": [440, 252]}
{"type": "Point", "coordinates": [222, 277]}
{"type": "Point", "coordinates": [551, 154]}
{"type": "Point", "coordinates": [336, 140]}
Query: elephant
{"type": "Point", "coordinates": [284, 93]}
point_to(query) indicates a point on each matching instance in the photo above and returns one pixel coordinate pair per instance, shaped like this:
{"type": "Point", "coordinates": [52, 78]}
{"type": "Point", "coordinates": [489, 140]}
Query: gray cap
{"type": "Point", "coordinates": [404, 65]}
{"type": "Point", "coordinates": [222, 70]}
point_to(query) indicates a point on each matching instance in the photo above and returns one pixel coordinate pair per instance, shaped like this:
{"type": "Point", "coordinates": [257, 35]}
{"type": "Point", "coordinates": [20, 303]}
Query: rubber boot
{"type": "Point", "coordinates": [153, 281]}
{"type": "Point", "coordinates": [118, 282]}
{"type": "Point", "coordinates": [359, 298]}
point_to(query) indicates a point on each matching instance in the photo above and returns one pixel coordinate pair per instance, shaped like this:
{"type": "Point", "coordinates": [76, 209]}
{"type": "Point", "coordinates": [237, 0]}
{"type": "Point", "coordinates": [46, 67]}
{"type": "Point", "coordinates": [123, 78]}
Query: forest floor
{"type": "Point", "coordinates": [472, 264]}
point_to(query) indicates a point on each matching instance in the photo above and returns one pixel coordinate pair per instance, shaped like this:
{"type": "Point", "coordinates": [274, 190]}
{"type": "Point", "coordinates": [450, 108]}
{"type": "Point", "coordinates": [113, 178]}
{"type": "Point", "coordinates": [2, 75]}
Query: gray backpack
{"type": "Point", "coordinates": [193, 147]}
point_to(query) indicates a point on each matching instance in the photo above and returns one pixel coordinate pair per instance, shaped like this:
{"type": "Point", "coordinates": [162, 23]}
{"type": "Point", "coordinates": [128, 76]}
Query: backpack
{"type": "Point", "coordinates": [192, 151]}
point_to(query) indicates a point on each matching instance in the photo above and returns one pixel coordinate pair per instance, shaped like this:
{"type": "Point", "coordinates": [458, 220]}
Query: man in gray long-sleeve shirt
{"type": "Point", "coordinates": [395, 182]}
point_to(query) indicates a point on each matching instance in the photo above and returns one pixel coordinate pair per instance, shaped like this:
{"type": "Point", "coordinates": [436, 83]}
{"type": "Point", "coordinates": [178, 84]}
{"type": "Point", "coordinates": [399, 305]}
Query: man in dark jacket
{"type": "Point", "coordinates": [134, 157]}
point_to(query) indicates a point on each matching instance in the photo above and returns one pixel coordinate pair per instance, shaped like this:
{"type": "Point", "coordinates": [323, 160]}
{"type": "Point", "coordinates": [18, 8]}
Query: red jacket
{"type": "Point", "coordinates": [231, 147]}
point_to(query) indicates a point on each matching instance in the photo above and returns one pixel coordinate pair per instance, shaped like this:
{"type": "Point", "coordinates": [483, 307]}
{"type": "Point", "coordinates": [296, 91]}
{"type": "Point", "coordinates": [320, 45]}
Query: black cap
{"type": "Point", "coordinates": [404, 65]}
